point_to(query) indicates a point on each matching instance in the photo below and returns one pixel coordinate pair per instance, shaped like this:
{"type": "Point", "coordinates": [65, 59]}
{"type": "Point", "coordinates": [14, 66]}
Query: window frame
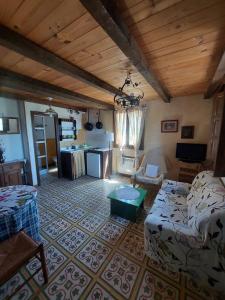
{"type": "Point", "coordinates": [127, 146]}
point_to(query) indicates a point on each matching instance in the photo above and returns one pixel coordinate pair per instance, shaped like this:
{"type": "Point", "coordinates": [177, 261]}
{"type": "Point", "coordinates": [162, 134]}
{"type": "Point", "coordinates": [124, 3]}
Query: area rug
{"type": "Point", "coordinates": [92, 255]}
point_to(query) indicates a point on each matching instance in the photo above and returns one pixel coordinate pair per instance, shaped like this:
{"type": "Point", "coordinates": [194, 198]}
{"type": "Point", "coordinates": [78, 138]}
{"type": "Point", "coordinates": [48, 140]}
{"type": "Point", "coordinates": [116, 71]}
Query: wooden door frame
{"type": "Point", "coordinates": [219, 168]}
{"type": "Point", "coordinates": [25, 142]}
{"type": "Point", "coordinates": [57, 141]}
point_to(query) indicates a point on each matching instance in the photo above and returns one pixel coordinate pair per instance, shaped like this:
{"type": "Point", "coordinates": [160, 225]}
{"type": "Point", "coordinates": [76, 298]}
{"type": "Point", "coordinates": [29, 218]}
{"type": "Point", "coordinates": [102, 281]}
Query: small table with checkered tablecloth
{"type": "Point", "coordinates": [18, 210]}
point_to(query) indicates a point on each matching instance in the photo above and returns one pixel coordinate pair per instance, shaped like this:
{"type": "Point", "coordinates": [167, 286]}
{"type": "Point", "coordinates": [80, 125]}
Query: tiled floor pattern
{"type": "Point", "coordinates": [92, 255]}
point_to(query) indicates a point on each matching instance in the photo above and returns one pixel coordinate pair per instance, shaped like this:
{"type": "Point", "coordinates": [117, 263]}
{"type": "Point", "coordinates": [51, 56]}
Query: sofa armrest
{"type": "Point", "coordinates": [176, 187]}
{"type": "Point", "coordinates": [168, 245]}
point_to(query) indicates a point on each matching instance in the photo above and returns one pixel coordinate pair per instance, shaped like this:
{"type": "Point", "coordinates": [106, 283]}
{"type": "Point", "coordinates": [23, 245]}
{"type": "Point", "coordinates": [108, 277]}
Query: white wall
{"type": "Point", "coordinates": [62, 113]}
{"type": "Point", "coordinates": [106, 117]}
{"type": "Point", "coordinates": [12, 142]}
{"type": "Point", "coordinates": [192, 110]}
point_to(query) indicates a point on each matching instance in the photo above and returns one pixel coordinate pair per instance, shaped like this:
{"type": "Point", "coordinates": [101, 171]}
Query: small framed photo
{"type": "Point", "coordinates": [187, 132]}
{"type": "Point", "coordinates": [169, 126]}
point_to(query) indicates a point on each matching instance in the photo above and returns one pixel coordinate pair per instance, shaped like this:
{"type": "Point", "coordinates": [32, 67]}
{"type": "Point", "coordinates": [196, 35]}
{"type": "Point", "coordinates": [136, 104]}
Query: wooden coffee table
{"type": "Point", "coordinates": [127, 209]}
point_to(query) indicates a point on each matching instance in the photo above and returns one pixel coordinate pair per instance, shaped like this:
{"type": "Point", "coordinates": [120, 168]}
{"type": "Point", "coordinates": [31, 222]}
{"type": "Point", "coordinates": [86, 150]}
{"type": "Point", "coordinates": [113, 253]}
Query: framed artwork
{"type": "Point", "coordinates": [187, 132]}
{"type": "Point", "coordinates": [169, 126]}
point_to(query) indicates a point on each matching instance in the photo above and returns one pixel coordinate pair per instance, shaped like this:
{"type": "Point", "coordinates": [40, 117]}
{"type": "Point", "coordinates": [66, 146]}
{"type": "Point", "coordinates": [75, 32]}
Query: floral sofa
{"type": "Point", "coordinates": [185, 229]}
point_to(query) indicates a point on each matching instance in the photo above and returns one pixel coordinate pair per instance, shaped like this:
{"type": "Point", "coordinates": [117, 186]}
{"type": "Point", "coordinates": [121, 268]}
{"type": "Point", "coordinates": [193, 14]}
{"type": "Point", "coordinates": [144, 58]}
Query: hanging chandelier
{"type": "Point", "coordinates": [131, 94]}
{"type": "Point", "coordinates": [50, 111]}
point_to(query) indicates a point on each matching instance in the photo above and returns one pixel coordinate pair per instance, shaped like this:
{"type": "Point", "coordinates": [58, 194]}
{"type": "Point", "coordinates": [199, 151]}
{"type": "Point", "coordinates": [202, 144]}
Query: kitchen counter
{"type": "Point", "coordinates": [90, 148]}
{"type": "Point", "coordinates": [70, 150]}
{"type": "Point", "coordinates": [105, 155]}
{"type": "Point", "coordinates": [100, 149]}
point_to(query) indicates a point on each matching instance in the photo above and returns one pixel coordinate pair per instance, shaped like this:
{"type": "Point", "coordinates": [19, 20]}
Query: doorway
{"type": "Point", "coordinates": [46, 146]}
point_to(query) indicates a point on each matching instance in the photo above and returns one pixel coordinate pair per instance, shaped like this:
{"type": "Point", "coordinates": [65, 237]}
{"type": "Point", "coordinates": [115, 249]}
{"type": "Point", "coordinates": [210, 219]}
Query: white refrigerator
{"type": "Point", "coordinates": [94, 164]}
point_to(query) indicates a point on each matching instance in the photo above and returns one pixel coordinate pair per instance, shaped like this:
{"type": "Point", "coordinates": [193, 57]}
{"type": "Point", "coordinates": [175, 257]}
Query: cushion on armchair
{"type": "Point", "coordinates": [152, 170]}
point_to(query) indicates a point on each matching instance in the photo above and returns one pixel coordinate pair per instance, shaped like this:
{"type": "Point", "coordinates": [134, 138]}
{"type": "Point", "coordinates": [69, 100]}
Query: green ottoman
{"type": "Point", "coordinates": [121, 206]}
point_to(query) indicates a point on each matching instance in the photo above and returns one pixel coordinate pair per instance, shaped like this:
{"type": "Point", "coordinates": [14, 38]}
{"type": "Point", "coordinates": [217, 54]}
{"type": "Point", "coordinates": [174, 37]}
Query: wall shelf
{"type": "Point", "coordinates": [64, 126]}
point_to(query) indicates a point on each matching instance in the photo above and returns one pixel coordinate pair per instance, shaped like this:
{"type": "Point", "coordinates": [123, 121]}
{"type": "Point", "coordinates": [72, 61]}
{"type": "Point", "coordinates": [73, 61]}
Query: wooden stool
{"type": "Point", "coordinates": [17, 251]}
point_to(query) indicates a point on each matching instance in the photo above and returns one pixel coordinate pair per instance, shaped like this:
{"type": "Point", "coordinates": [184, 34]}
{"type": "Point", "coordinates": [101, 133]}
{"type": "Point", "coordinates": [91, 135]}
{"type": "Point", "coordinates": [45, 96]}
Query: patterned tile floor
{"type": "Point", "coordinates": [92, 255]}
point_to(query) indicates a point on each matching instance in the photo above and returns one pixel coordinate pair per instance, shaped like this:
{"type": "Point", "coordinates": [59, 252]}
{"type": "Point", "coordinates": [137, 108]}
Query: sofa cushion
{"type": "Point", "coordinates": [176, 187]}
{"type": "Point", "coordinates": [170, 208]}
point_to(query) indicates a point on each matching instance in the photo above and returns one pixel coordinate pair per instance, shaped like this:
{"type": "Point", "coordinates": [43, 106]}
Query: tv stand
{"type": "Point", "coordinates": [188, 170]}
{"type": "Point", "coordinates": [189, 161]}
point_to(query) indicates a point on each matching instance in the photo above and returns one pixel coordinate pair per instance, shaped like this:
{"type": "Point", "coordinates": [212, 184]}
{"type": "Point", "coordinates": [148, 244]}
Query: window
{"type": "Point", "coordinates": [129, 128]}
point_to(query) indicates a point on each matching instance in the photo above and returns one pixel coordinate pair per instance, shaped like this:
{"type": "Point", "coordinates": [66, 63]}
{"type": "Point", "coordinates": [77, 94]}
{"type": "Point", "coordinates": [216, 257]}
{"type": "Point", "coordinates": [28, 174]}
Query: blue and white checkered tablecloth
{"type": "Point", "coordinates": [18, 210]}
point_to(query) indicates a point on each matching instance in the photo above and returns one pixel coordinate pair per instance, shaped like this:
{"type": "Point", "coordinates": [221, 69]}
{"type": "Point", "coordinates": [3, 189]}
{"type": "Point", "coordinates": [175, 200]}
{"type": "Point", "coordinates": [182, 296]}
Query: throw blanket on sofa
{"type": "Point", "coordinates": [185, 229]}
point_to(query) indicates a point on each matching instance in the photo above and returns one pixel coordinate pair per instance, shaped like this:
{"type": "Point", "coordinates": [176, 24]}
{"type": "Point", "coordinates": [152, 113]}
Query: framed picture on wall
{"type": "Point", "coordinates": [169, 126]}
{"type": "Point", "coordinates": [187, 132]}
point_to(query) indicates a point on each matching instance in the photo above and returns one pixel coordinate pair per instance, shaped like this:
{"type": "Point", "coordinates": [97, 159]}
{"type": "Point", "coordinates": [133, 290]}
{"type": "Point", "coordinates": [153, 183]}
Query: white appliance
{"type": "Point", "coordinates": [94, 164]}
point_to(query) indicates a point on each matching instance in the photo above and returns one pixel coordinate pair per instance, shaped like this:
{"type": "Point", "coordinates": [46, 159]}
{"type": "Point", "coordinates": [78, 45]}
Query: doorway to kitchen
{"type": "Point", "coordinates": [46, 146]}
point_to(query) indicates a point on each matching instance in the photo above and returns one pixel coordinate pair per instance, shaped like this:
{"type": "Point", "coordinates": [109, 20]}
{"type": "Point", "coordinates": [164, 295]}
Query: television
{"type": "Point", "coordinates": [191, 152]}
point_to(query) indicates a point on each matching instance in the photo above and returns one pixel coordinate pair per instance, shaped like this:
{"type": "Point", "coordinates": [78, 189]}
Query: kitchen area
{"type": "Point", "coordinates": [57, 144]}
{"type": "Point", "coordinates": [93, 156]}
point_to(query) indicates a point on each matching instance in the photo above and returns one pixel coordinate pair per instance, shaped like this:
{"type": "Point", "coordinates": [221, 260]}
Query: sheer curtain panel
{"type": "Point", "coordinates": [136, 125]}
{"type": "Point", "coordinates": [121, 128]}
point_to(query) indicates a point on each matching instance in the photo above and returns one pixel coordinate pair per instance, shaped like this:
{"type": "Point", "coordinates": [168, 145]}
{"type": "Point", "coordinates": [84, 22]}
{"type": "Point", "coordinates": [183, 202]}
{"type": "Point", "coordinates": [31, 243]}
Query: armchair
{"type": "Point", "coordinates": [154, 157]}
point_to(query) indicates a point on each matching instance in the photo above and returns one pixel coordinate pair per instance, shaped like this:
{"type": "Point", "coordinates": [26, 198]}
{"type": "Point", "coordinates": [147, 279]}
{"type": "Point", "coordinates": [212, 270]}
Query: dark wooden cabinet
{"type": "Point", "coordinates": [68, 166]}
{"type": "Point", "coordinates": [11, 173]}
{"type": "Point", "coordinates": [1, 177]}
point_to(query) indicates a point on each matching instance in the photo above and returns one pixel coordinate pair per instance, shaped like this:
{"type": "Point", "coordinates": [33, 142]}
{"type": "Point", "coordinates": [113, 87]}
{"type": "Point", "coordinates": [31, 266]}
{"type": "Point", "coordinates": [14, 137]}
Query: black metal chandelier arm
{"type": "Point", "coordinates": [129, 100]}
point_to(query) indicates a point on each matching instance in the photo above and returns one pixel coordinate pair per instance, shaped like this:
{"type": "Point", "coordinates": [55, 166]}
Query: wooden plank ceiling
{"type": "Point", "coordinates": [181, 40]}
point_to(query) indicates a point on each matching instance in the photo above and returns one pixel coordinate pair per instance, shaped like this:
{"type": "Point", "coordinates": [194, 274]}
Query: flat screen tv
{"type": "Point", "coordinates": [191, 152]}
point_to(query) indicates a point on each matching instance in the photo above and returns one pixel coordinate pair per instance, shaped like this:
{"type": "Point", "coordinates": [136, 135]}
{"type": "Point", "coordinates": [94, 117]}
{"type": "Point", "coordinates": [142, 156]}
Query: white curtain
{"type": "Point", "coordinates": [121, 128]}
{"type": "Point", "coordinates": [136, 124]}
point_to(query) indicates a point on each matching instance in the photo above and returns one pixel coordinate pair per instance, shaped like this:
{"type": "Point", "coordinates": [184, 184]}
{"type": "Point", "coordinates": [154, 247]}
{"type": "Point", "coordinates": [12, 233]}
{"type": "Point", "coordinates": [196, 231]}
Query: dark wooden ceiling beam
{"type": "Point", "coordinates": [20, 44]}
{"type": "Point", "coordinates": [218, 78]}
{"type": "Point", "coordinates": [107, 15]}
{"type": "Point", "coordinates": [31, 98]}
{"type": "Point", "coordinates": [17, 81]}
